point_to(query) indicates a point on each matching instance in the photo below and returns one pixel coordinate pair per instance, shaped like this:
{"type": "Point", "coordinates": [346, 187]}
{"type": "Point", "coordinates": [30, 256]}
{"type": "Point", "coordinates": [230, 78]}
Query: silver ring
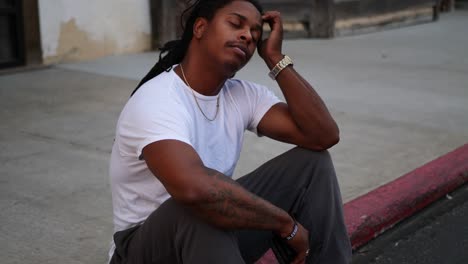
{"type": "Point", "coordinates": [307, 252]}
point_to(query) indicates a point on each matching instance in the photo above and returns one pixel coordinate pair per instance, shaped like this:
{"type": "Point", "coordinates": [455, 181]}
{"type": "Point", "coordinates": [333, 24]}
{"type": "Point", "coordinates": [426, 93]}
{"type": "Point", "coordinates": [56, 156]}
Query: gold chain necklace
{"type": "Point", "coordinates": [195, 97]}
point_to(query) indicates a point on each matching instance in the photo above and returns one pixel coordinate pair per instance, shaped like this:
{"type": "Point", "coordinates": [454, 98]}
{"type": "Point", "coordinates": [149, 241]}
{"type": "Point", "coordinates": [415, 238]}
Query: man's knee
{"type": "Point", "coordinates": [307, 156]}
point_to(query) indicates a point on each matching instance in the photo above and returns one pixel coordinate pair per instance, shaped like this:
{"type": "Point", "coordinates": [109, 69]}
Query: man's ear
{"type": "Point", "coordinates": [199, 27]}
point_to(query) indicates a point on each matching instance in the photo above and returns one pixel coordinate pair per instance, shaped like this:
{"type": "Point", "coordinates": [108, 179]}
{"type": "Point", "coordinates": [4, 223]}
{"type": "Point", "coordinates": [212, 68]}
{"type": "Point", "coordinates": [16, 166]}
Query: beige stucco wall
{"type": "Point", "coordinates": [74, 30]}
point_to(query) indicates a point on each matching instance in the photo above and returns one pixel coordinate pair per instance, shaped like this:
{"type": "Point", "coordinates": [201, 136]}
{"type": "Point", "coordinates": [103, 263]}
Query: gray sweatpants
{"type": "Point", "coordinates": [300, 181]}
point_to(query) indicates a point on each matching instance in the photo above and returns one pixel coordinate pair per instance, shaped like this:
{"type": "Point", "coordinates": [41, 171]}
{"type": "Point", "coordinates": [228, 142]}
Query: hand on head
{"type": "Point", "coordinates": [271, 47]}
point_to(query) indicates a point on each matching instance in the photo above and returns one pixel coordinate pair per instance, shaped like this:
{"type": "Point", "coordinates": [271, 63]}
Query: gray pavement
{"type": "Point", "coordinates": [437, 235]}
{"type": "Point", "coordinates": [399, 96]}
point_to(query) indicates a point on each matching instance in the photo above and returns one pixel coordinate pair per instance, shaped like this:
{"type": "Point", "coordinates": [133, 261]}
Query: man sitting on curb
{"type": "Point", "coordinates": [179, 137]}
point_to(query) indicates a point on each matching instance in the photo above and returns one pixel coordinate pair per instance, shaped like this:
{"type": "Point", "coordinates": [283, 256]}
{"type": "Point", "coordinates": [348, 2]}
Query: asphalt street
{"type": "Point", "coordinates": [438, 235]}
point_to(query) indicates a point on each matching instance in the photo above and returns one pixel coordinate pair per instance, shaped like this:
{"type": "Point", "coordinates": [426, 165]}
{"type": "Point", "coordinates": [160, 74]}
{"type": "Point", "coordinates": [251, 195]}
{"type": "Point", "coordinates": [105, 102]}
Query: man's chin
{"type": "Point", "coordinates": [233, 68]}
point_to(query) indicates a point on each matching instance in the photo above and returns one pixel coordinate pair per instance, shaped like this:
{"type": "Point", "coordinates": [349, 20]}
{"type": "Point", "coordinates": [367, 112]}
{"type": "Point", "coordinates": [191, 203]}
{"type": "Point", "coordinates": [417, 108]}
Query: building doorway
{"type": "Point", "coordinates": [20, 41]}
{"type": "Point", "coordinates": [11, 34]}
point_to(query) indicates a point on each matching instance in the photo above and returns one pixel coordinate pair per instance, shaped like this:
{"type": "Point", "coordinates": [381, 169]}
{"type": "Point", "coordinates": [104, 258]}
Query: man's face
{"type": "Point", "coordinates": [232, 35]}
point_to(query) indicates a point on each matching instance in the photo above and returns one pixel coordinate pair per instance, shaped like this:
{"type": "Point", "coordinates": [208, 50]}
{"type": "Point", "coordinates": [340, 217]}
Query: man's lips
{"type": "Point", "coordinates": [240, 49]}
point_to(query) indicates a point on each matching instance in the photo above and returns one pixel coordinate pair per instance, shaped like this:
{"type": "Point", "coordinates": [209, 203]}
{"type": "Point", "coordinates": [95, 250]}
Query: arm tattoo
{"type": "Point", "coordinates": [230, 202]}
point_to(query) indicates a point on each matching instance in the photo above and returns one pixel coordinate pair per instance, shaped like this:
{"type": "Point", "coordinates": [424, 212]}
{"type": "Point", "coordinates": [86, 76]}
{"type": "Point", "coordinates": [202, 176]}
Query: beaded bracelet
{"type": "Point", "coordinates": [294, 231]}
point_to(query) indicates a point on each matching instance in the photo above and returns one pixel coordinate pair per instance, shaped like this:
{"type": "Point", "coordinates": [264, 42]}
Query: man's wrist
{"type": "Point", "coordinates": [271, 61]}
{"type": "Point", "coordinates": [287, 228]}
{"type": "Point", "coordinates": [280, 66]}
{"type": "Point", "coordinates": [293, 232]}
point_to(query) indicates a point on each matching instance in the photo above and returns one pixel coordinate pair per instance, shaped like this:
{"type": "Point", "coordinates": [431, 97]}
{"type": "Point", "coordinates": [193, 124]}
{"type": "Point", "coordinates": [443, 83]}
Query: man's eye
{"type": "Point", "coordinates": [234, 24]}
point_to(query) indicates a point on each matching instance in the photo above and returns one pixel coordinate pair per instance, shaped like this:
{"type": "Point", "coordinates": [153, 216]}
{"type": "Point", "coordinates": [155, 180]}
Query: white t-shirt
{"type": "Point", "coordinates": [165, 108]}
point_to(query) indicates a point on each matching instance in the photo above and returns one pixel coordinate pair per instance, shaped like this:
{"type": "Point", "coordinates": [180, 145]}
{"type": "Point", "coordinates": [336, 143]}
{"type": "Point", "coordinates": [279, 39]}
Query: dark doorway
{"type": "Point", "coordinates": [11, 34]}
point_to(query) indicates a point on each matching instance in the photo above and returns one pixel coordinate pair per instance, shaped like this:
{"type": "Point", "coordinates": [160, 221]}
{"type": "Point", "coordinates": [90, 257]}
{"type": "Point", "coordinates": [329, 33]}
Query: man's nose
{"type": "Point", "coordinates": [246, 36]}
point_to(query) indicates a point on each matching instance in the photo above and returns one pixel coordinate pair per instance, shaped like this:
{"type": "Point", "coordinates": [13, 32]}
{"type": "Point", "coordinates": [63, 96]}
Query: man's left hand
{"type": "Point", "coordinates": [270, 49]}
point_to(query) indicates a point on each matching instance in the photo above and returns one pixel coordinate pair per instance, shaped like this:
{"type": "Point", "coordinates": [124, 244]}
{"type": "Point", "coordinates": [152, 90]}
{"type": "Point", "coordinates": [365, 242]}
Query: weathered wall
{"type": "Point", "coordinates": [81, 30]}
{"type": "Point", "coordinates": [361, 16]}
{"type": "Point", "coordinates": [328, 18]}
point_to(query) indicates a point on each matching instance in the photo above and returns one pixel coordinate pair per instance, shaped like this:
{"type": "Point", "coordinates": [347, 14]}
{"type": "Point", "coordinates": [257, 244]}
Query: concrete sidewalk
{"type": "Point", "coordinates": [400, 98]}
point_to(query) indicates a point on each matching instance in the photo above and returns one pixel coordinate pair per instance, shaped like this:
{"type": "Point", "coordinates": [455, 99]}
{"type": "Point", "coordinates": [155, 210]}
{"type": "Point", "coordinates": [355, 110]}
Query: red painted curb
{"type": "Point", "coordinates": [370, 215]}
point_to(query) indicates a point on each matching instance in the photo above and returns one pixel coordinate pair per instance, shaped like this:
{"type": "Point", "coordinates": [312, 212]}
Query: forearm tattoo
{"type": "Point", "coordinates": [231, 203]}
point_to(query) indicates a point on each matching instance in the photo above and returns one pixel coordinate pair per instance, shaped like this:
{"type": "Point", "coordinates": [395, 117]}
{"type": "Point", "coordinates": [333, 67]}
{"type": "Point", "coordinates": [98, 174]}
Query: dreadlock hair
{"type": "Point", "coordinates": [173, 52]}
